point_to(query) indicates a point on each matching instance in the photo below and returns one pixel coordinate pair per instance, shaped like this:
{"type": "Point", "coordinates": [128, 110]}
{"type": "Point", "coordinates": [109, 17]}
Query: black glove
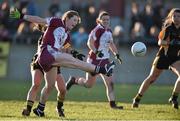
{"type": "Point", "coordinates": [99, 54]}
{"type": "Point", "coordinates": [77, 55]}
{"type": "Point", "coordinates": [117, 56]}
{"type": "Point", "coordinates": [80, 56]}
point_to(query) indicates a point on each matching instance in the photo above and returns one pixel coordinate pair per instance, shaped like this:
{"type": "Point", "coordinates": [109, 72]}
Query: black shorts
{"type": "Point", "coordinates": [35, 65]}
{"type": "Point", "coordinates": [164, 62]}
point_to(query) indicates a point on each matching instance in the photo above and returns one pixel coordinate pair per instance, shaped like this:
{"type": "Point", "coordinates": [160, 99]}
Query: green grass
{"type": "Point", "coordinates": [11, 110]}
{"type": "Point", "coordinates": [90, 104]}
{"type": "Point", "coordinates": [157, 94]}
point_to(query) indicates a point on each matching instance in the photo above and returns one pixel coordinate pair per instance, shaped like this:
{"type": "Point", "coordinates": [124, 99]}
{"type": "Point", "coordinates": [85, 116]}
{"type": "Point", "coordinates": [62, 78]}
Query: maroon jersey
{"type": "Point", "coordinates": [54, 39]}
{"type": "Point", "coordinates": [56, 34]}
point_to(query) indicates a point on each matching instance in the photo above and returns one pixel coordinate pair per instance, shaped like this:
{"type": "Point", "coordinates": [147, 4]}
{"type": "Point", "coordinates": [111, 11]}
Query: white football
{"type": "Point", "coordinates": [138, 49]}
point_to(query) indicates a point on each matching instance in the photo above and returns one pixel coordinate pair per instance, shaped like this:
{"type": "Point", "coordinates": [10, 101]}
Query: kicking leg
{"type": "Point", "coordinates": [66, 60]}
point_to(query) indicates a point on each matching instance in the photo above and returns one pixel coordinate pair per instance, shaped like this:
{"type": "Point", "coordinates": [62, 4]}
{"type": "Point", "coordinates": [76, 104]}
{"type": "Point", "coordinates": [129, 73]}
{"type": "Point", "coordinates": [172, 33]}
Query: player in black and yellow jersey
{"type": "Point", "coordinates": [168, 57]}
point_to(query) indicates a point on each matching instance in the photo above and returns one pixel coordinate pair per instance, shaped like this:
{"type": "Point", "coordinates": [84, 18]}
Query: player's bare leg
{"type": "Point", "coordinates": [87, 82]}
{"type": "Point", "coordinates": [50, 78]}
{"type": "Point", "coordinates": [108, 81]}
{"type": "Point", "coordinates": [174, 98]}
{"type": "Point", "coordinates": [61, 88]}
{"type": "Point", "coordinates": [37, 76]}
{"type": "Point", "coordinates": [154, 74]}
{"type": "Point", "coordinates": [66, 60]}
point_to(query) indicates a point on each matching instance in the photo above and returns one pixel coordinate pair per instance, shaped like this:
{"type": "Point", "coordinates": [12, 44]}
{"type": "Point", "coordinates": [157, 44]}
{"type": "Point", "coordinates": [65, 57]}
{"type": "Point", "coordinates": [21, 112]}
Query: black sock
{"type": "Point", "coordinates": [59, 104]}
{"type": "Point", "coordinates": [29, 105]}
{"type": "Point", "coordinates": [112, 104]}
{"type": "Point", "coordinates": [174, 96]}
{"type": "Point", "coordinates": [41, 106]}
{"type": "Point", "coordinates": [138, 97]}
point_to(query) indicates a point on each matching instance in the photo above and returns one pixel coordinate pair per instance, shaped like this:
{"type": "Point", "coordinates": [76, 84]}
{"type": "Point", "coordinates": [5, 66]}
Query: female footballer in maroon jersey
{"type": "Point", "coordinates": [99, 42]}
{"type": "Point", "coordinates": [51, 54]}
{"type": "Point", "coordinates": [37, 77]}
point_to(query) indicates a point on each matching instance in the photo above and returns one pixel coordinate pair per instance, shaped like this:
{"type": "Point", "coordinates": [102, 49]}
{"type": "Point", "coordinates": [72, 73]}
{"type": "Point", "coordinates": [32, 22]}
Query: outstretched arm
{"type": "Point", "coordinates": [34, 19]}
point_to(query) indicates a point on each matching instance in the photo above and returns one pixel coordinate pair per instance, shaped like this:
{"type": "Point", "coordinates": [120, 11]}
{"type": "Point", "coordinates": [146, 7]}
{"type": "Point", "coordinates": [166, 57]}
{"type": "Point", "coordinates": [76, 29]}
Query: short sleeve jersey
{"type": "Point", "coordinates": [103, 38]}
{"type": "Point", "coordinates": [56, 35]}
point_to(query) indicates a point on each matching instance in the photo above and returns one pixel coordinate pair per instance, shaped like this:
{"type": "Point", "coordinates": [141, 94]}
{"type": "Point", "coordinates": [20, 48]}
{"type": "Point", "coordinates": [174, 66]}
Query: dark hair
{"type": "Point", "coordinates": [70, 14]}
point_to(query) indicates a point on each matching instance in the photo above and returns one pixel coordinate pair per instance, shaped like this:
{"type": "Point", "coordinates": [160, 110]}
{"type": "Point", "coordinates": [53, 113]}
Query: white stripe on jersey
{"type": "Point", "coordinates": [48, 20]}
{"type": "Point", "coordinates": [104, 41]}
{"type": "Point", "coordinates": [60, 36]}
{"type": "Point", "coordinates": [53, 52]}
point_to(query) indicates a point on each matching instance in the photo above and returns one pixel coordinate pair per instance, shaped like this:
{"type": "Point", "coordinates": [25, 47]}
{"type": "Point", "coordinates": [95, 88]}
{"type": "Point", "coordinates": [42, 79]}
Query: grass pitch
{"type": "Point", "coordinates": [89, 104]}
{"type": "Point", "coordinates": [11, 110]}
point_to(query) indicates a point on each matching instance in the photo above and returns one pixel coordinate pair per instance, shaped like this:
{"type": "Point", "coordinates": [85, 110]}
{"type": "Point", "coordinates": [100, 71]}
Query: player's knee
{"type": "Point", "coordinates": [63, 91]}
{"type": "Point", "coordinates": [152, 78]}
{"type": "Point", "coordinates": [178, 80]}
{"type": "Point", "coordinates": [152, 81]}
{"type": "Point", "coordinates": [35, 86]}
{"type": "Point", "coordinates": [178, 74]}
{"type": "Point", "coordinates": [49, 88]}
